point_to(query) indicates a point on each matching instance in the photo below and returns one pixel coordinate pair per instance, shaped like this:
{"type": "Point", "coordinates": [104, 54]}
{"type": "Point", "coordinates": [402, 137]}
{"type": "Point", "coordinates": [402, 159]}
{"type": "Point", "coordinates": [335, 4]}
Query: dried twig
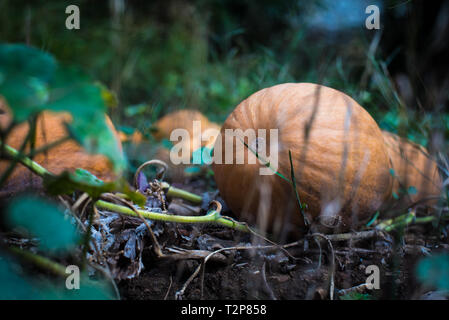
{"type": "Point", "coordinates": [267, 286]}
{"type": "Point", "coordinates": [169, 287]}
{"type": "Point", "coordinates": [332, 267]}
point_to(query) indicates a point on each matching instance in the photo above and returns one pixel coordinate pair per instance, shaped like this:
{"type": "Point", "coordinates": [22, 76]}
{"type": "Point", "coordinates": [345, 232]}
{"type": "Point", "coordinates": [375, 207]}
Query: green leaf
{"type": "Point", "coordinates": [83, 180]}
{"type": "Point", "coordinates": [32, 81]}
{"type": "Point", "coordinates": [15, 286]}
{"type": "Point", "coordinates": [434, 271]}
{"type": "Point", "coordinates": [44, 220]}
{"type": "Point", "coordinates": [135, 110]}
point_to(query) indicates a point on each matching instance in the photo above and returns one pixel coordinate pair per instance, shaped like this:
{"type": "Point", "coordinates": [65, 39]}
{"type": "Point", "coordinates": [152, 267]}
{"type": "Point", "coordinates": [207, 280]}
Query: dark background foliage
{"type": "Point", "coordinates": [210, 55]}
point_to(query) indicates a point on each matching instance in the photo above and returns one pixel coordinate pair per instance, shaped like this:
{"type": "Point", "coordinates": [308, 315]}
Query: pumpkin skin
{"type": "Point", "coordinates": [136, 137]}
{"type": "Point", "coordinates": [183, 119]}
{"type": "Point", "coordinates": [66, 156]}
{"type": "Point", "coordinates": [412, 167]}
{"type": "Point", "coordinates": [341, 134]}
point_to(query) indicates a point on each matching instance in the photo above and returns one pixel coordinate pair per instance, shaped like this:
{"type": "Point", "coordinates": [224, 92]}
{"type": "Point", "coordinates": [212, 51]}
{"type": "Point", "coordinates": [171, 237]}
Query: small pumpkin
{"type": "Point", "coordinates": [69, 155]}
{"type": "Point", "coordinates": [338, 154]}
{"type": "Point", "coordinates": [416, 176]}
{"type": "Point", "coordinates": [135, 138]}
{"type": "Point", "coordinates": [184, 119]}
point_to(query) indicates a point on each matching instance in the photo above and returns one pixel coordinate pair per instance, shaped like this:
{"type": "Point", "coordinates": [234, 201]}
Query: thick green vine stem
{"type": "Point", "coordinates": [212, 217]}
{"type": "Point", "coordinates": [179, 193]}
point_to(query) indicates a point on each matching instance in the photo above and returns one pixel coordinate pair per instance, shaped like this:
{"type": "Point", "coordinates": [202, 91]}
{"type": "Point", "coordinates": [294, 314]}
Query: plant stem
{"type": "Point", "coordinates": [40, 261]}
{"type": "Point", "coordinates": [211, 217]}
{"type": "Point", "coordinates": [30, 164]}
{"type": "Point", "coordinates": [179, 193]}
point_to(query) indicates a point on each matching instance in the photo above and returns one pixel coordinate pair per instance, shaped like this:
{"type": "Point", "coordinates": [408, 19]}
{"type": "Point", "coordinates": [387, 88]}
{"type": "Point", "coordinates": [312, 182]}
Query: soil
{"type": "Point", "coordinates": [272, 274]}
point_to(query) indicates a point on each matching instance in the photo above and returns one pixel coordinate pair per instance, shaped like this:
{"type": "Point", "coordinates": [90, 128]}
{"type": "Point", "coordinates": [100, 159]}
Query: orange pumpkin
{"type": "Point", "coordinates": [340, 162]}
{"type": "Point", "coordinates": [416, 176]}
{"type": "Point", "coordinates": [184, 119]}
{"type": "Point", "coordinates": [136, 137]}
{"type": "Point", "coordinates": [66, 156]}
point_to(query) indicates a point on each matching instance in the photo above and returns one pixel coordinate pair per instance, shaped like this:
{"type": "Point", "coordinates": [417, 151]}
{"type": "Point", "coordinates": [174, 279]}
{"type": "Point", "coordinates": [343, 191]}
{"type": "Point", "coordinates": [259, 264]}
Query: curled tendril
{"type": "Point", "coordinates": [160, 175]}
{"type": "Point", "coordinates": [217, 205]}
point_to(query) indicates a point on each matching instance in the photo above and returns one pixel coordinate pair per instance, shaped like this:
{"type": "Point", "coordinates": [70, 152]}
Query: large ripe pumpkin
{"type": "Point", "coordinates": [69, 155]}
{"type": "Point", "coordinates": [338, 154]}
{"type": "Point", "coordinates": [416, 175]}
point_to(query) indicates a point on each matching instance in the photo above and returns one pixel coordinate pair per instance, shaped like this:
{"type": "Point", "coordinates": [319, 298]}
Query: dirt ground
{"type": "Point", "coordinates": [308, 273]}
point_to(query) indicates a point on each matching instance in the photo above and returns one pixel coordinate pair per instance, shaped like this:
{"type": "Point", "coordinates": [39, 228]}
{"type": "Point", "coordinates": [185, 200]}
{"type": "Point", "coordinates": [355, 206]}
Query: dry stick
{"type": "Point", "coordinates": [332, 285]}
{"type": "Point", "coordinates": [156, 246]}
{"type": "Point", "coordinates": [77, 219]}
{"type": "Point", "coordinates": [80, 200]}
{"type": "Point", "coordinates": [263, 238]}
{"type": "Point", "coordinates": [169, 287]}
{"type": "Point", "coordinates": [180, 293]}
{"type": "Point", "coordinates": [267, 286]}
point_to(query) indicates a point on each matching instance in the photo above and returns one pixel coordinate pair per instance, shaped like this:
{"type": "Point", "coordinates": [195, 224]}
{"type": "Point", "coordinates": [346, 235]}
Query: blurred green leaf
{"type": "Point", "coordinates": [15, 286]}
{"type": "Point", "coordinates": [109, 97]}
{"type": "Point", "coordinates": [44, 220]}
{"type": "Point", "coordinates": [134, 110]}
{"type": "Point", "coordinates": [434, 271]}
{"type": "Point", "coordinates": [89, 290]}
{"type": "Point", "coordinates": [32, 81]}
{"type": "Point", "coordinates": [83, 180]}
